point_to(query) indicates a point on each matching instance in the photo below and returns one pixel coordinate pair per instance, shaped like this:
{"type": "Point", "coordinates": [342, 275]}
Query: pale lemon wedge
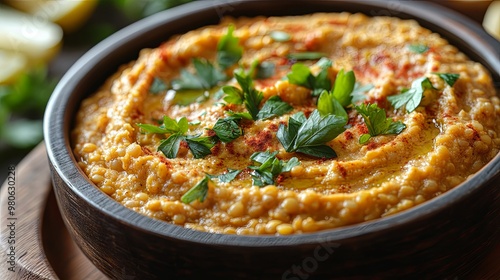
{"type": "Point", "coordinates": [13, 64]}
{"type": "Point", "coordinates": [69, 14]}
{"type": "Point", "coordinates": [38, 39]}
{"type": "Point", "coordinates": [491, 21]}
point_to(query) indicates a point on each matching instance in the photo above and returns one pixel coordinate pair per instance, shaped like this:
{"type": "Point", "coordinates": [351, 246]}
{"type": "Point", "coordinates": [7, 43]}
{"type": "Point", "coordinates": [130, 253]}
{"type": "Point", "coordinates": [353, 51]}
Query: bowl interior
{"type": "Point", "coordinates": [94, 67]}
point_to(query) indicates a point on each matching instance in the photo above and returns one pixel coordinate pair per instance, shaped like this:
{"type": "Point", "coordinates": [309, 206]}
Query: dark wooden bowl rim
{"type": "Point", "coordinates": [101, 61]}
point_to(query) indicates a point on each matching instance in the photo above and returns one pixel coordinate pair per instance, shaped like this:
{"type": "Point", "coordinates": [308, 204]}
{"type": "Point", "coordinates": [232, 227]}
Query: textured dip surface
{"type": "Point", "coordinates": [450, 134]}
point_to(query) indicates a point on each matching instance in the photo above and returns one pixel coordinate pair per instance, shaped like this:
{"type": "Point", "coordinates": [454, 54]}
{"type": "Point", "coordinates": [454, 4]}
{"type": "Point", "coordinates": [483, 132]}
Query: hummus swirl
{"type": "Point", "coordinates": [451, 135]}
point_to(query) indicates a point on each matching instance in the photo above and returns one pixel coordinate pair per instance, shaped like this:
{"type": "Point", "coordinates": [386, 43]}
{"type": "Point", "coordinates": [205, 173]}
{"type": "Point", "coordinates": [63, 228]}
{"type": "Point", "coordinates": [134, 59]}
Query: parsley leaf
{"type": "Point", "coordinates": [240, 115]}
{"type": "Point", "coordinates": [343, 87]}
{"type": "Point", "coordinates": [157, 86]}
{"type": "Point", "coordinates": [170, 146]}
{"type": "Point", "coordinates": [412, 97]}
{"type": "Point", "coordinates": [248, 95]}
{"type": "Point", "coordinates": [198, 192]}
{"type": "Point", "coordinates": [233, 95]}
{"type": "Point", "coordinates": [449, 78]}
{"type": "Point", "coordinates": [328, 104]}
{"type": "Point", "coordinates": [301, 75]}
{"type": "Point", "coordinates": [377, 122]}
{"type": "Point", "coordinates": [229, 51]}
{"type": "Point", "coordinates": [274, 106]}
{"type": "Point", "coordinates": [226, 177]}
{"type": "Point", "coordinates": [200, 146]}
{"type": "Point", "coordinates": [334, 102]}
{"type": "Point", "coordinates": [227, 129]}
{"type": "Point", "coordinates": [418, 48]}
{"type": "Point", "coordinates": [252, 101]}
{"type": "Point", "coordinates": [270, 167]}
{"type": "Point", "coordinates": [358, 93]}
{"type": "Point", "coordinates": [252, 98]}
{"type": "Point", "coordinates": [319, 129]}
{"type": "Point", "coordinates": [306, 55]}
{"type": "Point", "coordinates": [287, 135]}
{"type": "Point", "coordinates": [206, 76]}
{"type": "Point", "coordinates": [308, 136]}
{"type": "Point", "coordinates": [168, 126]}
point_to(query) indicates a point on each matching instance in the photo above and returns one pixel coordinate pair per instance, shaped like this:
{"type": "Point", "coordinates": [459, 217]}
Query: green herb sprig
{"type": "Point", "coordinates": [301, 75]}
{"type": "Point", "coordinates": [251, 98]}
{"type": "Point", "coordinates": [448, 78]}
{"type": "Point", "coordinates": [377, 122]}
{"type": "Point", "coordinates": [309, 136]}
{"type": "Point", "coordinates": [270, 167]}
{"type": "Point", "coordinates": [226, 177]}
{"type": "Point", "coordinates": [412, 97]}
{"type": "Point", "coordinates": [198, 145]}
{"type": "Point", "coordinates": [228, 129]}
{"type": "Point", "coordinates": [229, 52]}
{"type": "Point", "coordinates": [197, 192]}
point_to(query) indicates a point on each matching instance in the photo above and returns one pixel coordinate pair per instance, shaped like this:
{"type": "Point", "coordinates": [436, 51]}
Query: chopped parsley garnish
{"type": "Point", "coordinates": [168, 126]}
{"type": "Point", "coordinates": [227, 129]}
{"type": "Point", "coordinates": [333, 102]}
{"type": "Point", "coordinates": [418, 48]}
{"type": "Point", "coordinates": [240, 115]}
{"type": "Point", "coordinates": [265, 70]}
{"type": "Point", "coordinates": [157, 86]}
{"type": "Point", "coordinates": [274, 106]}
{"type": "Point", "coordinates": [412, 97]}
{"type": "Point", "coordinates": [270, 167]}
{"type": "Point", "coordinates": [449, 78]}
{"type": "Point", "coordinates": [198, 192]}
{"type": "Point", "coordinates": [377, 122]}
{"type": "Point", "coordinates": [229, 51]}
{"type": "Point", "coordinates": [328, 104]}
{"type": "Point", "coordinates": [306, 55]}
{"type": "Point", "coordinates": [252, 98]}
{"type": "Point", "coordinates": [170, 146]}
{"type": "Point", "coordinates": [280, 36]}
{"type": "Point", "coordinates": [301, 75]}
{"type": "Point", "coordinates": [199, 146]}
{"type": "Point", "coordinates": [309, 136]}
{"type": "Point", "coordinates": [343, 87]}
{"type": "Point", "coordinates": [226, 177]}
{"type": "Point", "coordinates": [206, 76]}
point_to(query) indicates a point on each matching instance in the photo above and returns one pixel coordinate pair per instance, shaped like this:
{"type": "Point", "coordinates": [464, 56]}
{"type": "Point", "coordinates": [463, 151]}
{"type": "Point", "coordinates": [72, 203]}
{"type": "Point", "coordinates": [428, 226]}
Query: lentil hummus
{"type": "Point", "coordinates": [287, 125]}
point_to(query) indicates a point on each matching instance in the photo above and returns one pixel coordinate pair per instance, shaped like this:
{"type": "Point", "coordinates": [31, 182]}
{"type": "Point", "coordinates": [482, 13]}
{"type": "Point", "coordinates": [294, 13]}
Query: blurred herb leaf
{"type": "Point", "coordinates": [22, 105]}
{"type": "Point", "coordinates": [418, 48]}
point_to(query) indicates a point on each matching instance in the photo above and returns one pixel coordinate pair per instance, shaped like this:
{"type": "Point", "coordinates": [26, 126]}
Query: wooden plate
{"type": "Point", "coordinates": [43, 247]}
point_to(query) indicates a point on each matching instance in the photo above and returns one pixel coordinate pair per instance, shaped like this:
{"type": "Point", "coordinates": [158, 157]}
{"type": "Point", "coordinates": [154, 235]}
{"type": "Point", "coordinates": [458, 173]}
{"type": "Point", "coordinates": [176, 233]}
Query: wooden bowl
{"type": "Point", "coordinates": [442, 238]}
